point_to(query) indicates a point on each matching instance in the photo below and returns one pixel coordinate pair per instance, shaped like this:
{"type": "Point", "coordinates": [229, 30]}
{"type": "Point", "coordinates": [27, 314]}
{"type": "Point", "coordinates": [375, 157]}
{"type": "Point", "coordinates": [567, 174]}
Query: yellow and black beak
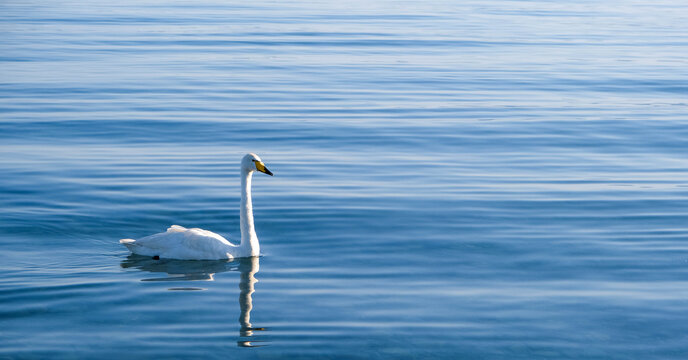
{"type": "Point", "coordinates": [261, 167]}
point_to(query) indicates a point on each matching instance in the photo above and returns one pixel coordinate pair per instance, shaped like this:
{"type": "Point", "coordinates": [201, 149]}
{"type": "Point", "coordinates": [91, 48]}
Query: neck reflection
{"type": "Point", "coordinates": [248, 268]}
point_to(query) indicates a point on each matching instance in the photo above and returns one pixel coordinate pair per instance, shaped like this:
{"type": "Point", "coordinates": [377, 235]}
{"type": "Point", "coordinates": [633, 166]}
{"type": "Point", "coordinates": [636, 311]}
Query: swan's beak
{"type": "Point", "coordinates": [261, 167]}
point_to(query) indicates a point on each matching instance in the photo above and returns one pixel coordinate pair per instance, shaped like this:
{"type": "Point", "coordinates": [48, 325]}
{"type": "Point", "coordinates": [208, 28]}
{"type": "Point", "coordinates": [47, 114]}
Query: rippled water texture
{"type": "Point", "coordinates": [459, 179]}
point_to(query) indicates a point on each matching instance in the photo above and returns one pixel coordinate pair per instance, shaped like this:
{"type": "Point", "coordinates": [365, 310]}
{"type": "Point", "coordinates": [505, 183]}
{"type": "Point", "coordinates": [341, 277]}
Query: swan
{"type": "Point", "coordinates": [197, 244]}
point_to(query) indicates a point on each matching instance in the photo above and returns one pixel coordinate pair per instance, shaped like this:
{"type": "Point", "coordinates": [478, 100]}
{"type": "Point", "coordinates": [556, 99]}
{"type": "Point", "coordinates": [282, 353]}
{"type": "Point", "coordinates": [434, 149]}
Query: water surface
{"type": "Point", "coordinates": [502, 180]}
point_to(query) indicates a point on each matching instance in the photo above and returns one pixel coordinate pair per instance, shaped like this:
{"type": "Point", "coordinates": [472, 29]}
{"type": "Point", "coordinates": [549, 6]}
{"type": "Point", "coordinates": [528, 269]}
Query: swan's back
{"type": "Point", "coordinates": [184, 244]}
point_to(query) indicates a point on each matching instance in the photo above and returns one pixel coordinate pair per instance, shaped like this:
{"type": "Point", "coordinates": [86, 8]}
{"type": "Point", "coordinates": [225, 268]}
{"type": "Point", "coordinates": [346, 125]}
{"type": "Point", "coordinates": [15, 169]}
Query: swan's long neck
{"type": "Point", "coordinates": [249, 240]}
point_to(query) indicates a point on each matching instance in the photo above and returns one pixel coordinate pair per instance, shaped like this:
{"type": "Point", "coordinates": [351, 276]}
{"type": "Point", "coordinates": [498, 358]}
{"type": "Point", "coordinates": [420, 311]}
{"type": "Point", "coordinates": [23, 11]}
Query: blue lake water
{"type": "Point", "coordinates": [453, 179]}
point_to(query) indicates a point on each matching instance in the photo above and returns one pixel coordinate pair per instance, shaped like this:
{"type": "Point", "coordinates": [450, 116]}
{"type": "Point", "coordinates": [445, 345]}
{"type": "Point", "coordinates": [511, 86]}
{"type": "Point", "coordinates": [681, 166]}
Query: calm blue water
{"type": "Point", "coordinates": [502, 180]}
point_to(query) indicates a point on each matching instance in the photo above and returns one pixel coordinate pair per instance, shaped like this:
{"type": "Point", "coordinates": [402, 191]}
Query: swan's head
{"type": "Point", "coordinates": [252, 162]}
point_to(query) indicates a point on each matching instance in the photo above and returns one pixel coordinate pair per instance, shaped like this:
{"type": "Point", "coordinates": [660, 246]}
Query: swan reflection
{"type": "Point", "coordinates": [204, 270]}
{"type": "Point", "coordinates": [248, 268]}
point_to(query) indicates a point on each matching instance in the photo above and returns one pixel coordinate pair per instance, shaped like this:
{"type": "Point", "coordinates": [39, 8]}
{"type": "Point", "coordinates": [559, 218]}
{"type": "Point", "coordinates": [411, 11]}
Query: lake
{"type": "Point", "coordinates": [453, 179]}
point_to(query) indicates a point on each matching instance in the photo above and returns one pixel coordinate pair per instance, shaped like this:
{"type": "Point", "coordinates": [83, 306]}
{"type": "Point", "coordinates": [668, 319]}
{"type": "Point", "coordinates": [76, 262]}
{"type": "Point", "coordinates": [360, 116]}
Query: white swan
{"type": "Point", "coordinates": [198, 244]}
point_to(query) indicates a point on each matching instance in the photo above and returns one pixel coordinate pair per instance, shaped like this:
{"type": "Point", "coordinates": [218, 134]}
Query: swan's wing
{"type": "Point", "coordinates": [181, 243]}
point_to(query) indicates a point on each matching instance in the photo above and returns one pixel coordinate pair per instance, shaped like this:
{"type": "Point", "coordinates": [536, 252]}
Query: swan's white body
{"type": "Point", "coordinates": [198, 244]}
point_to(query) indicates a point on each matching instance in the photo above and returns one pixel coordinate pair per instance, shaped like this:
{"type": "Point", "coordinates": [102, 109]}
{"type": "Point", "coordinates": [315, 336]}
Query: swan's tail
{"type": "Point", "coordinates": [129, 243]}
